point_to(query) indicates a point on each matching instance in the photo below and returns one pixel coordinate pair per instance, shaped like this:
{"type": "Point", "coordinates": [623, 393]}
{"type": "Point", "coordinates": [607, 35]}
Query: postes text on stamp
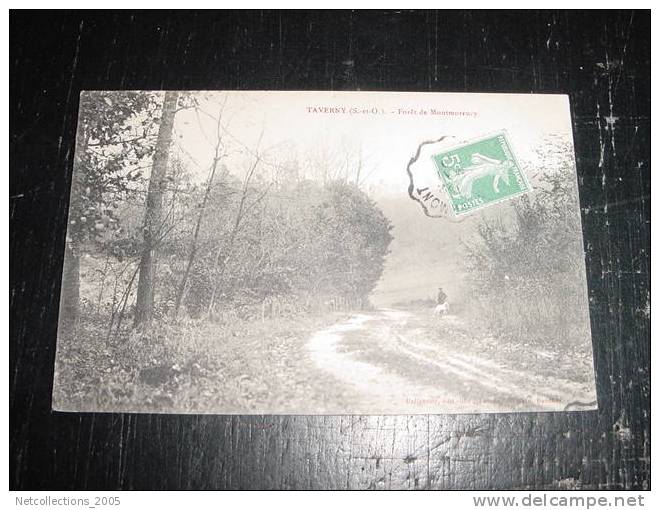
{"type": "Point", "coordinates": [480, 173]}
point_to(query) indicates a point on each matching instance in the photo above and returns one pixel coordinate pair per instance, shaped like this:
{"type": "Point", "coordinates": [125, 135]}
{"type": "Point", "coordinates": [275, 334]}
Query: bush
{"type": "Point", "coordinates": [527, 274]}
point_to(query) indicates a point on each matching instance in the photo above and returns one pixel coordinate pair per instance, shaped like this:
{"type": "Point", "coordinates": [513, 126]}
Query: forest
{"type": "Point", "coordinates": [154, 241]}
{"type": "Point", "coordinates": [205, 259]}
{"type": "Point", "coordinates": [525, 270]}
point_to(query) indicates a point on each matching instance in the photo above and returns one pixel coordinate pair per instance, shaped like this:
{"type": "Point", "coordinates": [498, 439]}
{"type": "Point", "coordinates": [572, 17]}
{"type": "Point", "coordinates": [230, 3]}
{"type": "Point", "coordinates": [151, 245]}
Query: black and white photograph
{"type": "Point", "coordinates": [288, 252]}
{"type": "Point", "coordinates": [340, 249]}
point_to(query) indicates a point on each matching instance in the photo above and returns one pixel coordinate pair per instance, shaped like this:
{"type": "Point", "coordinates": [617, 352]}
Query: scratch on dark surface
{"type": "Point", "coordinates": [605, 68]}
{"type": "Point", "coordinates": [72, 72]}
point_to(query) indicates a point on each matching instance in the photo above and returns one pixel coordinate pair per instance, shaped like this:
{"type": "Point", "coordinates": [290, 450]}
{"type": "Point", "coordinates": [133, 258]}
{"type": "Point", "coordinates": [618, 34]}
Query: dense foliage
{"type": "Point", "coordinates": [519, 266]}
{"type": "Point", "coordinates": [114, 144]}
{"type": "Point", "coordinates": [243, 242]}
{"type": "Point", "coordinates": [307, 245]}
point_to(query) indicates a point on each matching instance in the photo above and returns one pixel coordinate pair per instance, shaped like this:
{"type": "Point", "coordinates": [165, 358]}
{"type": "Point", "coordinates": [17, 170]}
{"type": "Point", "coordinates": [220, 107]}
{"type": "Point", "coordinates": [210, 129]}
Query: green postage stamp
{"type": "Point", "coordinates": [480, 173]}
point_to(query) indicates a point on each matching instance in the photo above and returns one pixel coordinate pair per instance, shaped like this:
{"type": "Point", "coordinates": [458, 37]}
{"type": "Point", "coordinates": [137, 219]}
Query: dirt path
{"type": "Point", "coordinates": [400, 361]}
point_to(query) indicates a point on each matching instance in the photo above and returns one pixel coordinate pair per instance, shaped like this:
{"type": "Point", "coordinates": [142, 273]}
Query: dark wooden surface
{"type": "Point", "coordinates": [602, 59]}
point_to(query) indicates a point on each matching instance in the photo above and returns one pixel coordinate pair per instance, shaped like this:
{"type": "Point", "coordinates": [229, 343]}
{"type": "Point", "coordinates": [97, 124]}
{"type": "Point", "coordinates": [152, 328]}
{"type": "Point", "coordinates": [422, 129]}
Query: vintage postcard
{"type": "Point", "coordinates": [323, 253]}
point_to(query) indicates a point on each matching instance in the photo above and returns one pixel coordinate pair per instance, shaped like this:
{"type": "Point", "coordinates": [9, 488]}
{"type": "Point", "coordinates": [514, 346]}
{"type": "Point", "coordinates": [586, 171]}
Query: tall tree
{"type": "Point", "coordinates": [218, 155]}
{"type": "Point", "coordinates": [114, 134]}
{"type": "Point", "coordinates": [70, 296]}
{"type": "Point", "coordinates": [224, 253]}
{"type": "Point", "coordinates": [153, 210]}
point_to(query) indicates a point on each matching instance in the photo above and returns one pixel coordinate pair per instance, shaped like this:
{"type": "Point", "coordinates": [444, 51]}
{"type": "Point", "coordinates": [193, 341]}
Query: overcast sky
{"type": "Point", "coordinates": [291, 130]}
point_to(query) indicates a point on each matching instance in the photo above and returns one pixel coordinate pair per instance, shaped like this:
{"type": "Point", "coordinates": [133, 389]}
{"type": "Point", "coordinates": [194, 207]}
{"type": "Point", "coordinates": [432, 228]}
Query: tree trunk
{"type": "Point", "coordinates": [70, 296]}
{"type": "Point", "coordinates": [193, 247]}
{"type": "Point", "coordinates": [359, 167]}
{"type": "Point", "coordinates": [70, 292]}
{"type": "Point", "coordinates": [153, 210]}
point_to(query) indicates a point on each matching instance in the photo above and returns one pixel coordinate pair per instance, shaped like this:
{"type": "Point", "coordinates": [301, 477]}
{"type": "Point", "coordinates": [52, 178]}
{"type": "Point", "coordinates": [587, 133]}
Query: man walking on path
{"type": "Point", "coordinates": [442, 297]}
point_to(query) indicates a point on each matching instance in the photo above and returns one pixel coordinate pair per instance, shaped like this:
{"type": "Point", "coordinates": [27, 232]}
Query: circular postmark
{"type": "Point", "coordinates": [425, 186]}
{"type": "Point", "coordinates": [450, 179]}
